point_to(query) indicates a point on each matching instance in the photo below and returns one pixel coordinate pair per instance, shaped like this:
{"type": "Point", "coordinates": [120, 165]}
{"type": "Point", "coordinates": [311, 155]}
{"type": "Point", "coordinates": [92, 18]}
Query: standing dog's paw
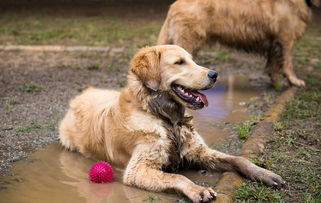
{"type": "Point", "coordinates": [297, 82]}
{"type": "Point", "coordinates": [202, 194]}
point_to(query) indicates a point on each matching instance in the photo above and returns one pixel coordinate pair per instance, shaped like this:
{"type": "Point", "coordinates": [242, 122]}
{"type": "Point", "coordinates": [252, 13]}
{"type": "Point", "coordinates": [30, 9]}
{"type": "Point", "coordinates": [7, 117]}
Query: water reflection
{"type": "Point", "coordinates": [226, 104]}
{"type": "Point", "coordinates": [76, 166]}
{"type": "Point", "coordinates": [227, 97]}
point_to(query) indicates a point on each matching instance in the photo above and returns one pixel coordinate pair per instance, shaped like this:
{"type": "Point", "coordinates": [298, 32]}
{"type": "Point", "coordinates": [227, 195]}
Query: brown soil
{"type": "Point", "coordinates": [57, 78]}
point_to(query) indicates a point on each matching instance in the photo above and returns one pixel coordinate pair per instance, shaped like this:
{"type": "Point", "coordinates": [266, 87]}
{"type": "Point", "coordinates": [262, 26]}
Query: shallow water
{"type": "Point", "coordinates": [53, 174]}
{"type": "Point", "coordinates": [227, 105]}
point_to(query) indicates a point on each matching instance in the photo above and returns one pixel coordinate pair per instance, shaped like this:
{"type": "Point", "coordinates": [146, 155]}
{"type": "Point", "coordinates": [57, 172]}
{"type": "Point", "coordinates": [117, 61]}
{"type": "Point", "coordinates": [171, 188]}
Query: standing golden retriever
{"type": "Point", "coordinates": [267, 27]}
{"type": "Point", "coordinates": [145, 129]}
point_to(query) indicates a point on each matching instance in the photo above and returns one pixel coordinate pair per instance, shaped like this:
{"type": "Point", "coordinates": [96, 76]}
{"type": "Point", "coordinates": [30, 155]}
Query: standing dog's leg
{"type": "Point", "coordinates": [195, 150]}
{"type": "Point", "coordinates": [192, 40]}
{"type": "Point", "coordinates": [274, 63]}
{"type": "Point", "coordinates": [288, 66]}
{"type": "Point", "coordinates": [144, 171]}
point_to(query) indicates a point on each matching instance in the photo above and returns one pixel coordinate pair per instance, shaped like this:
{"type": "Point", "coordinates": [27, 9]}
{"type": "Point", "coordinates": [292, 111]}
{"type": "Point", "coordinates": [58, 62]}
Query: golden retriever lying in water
{"type": "Point", "coordinates": [144, 128]}
{"type": "Point", "coordinates": [267, 27]}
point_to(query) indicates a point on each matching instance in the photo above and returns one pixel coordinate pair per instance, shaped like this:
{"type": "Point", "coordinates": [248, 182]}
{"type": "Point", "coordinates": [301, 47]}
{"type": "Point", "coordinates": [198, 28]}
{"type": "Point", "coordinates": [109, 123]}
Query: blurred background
{"type": "Point", "coordinates": [81, 22]}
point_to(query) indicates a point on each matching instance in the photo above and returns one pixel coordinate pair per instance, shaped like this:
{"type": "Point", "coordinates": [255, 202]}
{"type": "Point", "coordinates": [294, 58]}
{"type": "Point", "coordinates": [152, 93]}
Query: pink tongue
{"type": "Point", "coordinates": [201, 96]}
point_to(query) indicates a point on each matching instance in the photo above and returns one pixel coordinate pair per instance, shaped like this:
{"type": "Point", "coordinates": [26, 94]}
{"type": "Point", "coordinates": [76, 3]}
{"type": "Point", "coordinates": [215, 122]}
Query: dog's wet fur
{"type": "Point", "coordinates": [145, 129]}
{"type": "Point", "coordinates": [266, 27]}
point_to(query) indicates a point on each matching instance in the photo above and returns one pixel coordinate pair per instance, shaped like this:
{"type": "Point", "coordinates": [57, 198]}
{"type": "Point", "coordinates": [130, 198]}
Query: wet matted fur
{"type": "Point", "coordinates": [145, 130]}
{"type": "Point", "coordinates": [267, 27]}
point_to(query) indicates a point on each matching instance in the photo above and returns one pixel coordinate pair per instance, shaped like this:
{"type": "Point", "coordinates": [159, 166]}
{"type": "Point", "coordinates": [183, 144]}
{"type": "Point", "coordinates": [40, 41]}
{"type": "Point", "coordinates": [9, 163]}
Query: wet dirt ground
{"type": "Point", "coordinates": [35, 88]}
{"type": "Point", "coordinates": [53, 174]}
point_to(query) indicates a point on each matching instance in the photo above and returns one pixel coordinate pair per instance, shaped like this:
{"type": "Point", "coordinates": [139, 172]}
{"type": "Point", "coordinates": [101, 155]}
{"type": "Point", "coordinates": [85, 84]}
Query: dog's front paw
{"type": "Point", "coordinates": [268, 177]}
{"type": "Point", "coordinates": [202, 194]}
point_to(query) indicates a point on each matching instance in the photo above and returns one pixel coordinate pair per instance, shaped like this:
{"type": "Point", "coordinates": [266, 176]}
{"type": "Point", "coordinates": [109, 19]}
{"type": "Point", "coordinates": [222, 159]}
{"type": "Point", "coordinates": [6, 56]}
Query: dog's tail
{"type": "Point", "coordinates": [163, 37]}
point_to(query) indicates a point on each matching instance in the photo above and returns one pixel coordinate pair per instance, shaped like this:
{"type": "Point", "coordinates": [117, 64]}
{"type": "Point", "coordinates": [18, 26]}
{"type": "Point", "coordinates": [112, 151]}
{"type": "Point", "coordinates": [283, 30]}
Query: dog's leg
{"type": "Point", "coordinates": [288, 66]}
{"type": "Point", "coordinates": [196, 151]}
{"type": "Point", "coordinates": [144, 171]}
{"type": "Point", "coordinates": [192, 39]}
{"type": "Point", "coordinates": [274, 64]}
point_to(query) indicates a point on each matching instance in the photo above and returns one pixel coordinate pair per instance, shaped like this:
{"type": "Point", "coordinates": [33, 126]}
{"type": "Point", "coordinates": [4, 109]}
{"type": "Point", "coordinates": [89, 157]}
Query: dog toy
{"type": "Point", "coordinates": [101, 172]}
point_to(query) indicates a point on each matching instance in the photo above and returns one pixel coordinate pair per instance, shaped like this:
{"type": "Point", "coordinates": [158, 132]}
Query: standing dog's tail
{"type": "Point", "coordinates": [163, 37]}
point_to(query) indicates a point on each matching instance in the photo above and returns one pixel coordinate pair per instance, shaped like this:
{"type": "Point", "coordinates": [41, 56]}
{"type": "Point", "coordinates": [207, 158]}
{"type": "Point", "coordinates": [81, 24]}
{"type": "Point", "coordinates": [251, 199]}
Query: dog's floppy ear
{"type": "Point", "coordinates": [145, 65]}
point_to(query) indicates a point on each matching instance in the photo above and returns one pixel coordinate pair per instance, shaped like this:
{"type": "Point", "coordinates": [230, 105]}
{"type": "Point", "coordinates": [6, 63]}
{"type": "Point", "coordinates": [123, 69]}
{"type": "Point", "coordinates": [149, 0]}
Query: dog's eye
{"type": "Point", "coordinates": [180, 62]}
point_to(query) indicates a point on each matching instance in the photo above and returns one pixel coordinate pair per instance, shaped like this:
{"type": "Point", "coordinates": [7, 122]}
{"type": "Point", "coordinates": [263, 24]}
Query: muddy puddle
{"type": "Point", "coordinates": [53, 174]}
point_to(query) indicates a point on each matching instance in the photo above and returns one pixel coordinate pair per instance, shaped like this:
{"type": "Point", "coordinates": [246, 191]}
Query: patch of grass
{"type": "Point", "coordinates": [29, 128]}
{"type": "Point", "coordinates": [205, 60]}
{"type": "Point", "coordinates": [112, 69]}
{"type": "Point", "coordinates": [51, 127]}
{"type": "Point", "coordinates": [83, 30]}
{"type": "Point", "coordinates": [257, 192]}
{"type": "Point", "coordinates": [106, 80]}
{"type": "Point", "coordinates": [278, 126]}
{"type": "Point", "coordinates": [278, 86]}
{"type": "Point", "coordinates": [243, 129]}
{"type": "Point", "coordinates": [77, 67]}
{"type": "Point", "coordinates": [301, 109]}
{"type": "Point", "coordinates": [222, 55]}
{"type": "Point", "coordinates": [122, 83]}
{"type": "Point", "coordinates": [12, 101]}
{"type": "Point", "coordinates": [258, 67]}
{"type": "Point", "coordinates": [214, 54]}
{"type": "Point", "coordinates": [30, 87]}
{"type": "Point", "coordinates": [151, 198]}
{"type": "Point", "coordinates": [311, 95]}
{"type": "Point", "coordinates": [94, 66]}
{"type": "Point", "coordinates": [257, 161]}
{"type": "Point", "coordinates": [82, 88]}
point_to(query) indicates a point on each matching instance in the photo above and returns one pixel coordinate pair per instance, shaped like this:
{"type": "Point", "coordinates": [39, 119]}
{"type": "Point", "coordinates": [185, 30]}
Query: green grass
{"type": "Point", "coordinates": [152, 198]}
{"type": "Point", "coordinates": [257, 192]}
{"type": "Point", "coordinates": [212, 55]}
{"type": "Point", "coordinates": [94, 66]}
{"type": "Point", "coordinates": [278, 86]}
{"type": "Point", "coordinates": [222, 55]}
{"type": "Point", "coordinates": [102, 30]}
{"type": "Point", "coordinates": [51, 127]}
{"type": "Point", "coordinates": [257, 161]}
{"type": "Point", "coordinates": [29, 128]}
{"type": "Point", "coordinates": [243, 129]}
{"type": "Point", "coordinates": [294, 148]}
{"type": "Point", "coordinates": [278, 126]}
{"type": "Point", "coordinates": [112, 68]}
{"type": "Point", "coordinates": [30, 87]}
{"type": "Point", "coordinates": [122, 83]}
{"type": "Point", "coordinates": [307, 47]}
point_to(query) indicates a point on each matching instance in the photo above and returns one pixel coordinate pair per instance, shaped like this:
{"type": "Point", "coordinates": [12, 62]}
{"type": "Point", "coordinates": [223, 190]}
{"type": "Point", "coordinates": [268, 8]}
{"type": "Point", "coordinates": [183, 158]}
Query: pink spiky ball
{"type": "Point", "coordinates": [101, 172]}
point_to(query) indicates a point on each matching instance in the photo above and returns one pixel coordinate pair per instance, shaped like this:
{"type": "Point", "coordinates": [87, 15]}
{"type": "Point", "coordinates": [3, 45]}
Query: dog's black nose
{"type": "Point", "coordinates": [212, 74]}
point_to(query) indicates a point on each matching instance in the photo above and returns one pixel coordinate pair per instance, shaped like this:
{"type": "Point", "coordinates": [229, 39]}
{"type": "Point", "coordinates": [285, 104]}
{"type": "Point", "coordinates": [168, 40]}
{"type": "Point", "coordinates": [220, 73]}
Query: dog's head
{"type": "Point", "coordinates": [169, 68]}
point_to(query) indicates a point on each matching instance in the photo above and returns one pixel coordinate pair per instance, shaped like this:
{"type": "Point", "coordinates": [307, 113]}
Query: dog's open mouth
{"type": "Point", "coordinates": [193, 97]}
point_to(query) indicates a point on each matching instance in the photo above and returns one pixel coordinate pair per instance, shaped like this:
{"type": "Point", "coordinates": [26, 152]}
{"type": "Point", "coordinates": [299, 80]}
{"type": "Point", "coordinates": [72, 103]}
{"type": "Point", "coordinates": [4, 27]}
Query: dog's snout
{"type": "Point", "coordinates": [212, 74]}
